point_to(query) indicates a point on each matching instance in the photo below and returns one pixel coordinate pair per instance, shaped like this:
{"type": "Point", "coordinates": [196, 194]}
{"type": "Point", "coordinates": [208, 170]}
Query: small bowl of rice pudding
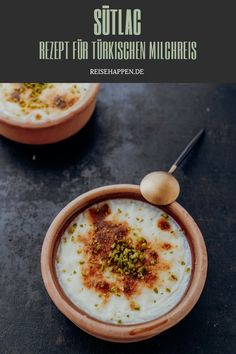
{"type": "Point", "coordinates": [120, 268]}
{"type": "Point", "coordinates": [44, 113]}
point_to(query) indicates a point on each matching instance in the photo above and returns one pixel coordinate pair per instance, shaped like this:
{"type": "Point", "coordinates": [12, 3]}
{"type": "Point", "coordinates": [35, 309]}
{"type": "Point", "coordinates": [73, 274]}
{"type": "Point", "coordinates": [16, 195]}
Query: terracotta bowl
{"type": "Point", "coordinates": [54, 131]}
{"type": "Point", "coordinates": [107, 331]}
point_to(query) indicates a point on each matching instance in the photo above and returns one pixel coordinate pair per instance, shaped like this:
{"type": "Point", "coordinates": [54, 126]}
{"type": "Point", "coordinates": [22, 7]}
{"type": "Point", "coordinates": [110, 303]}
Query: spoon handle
{"type": "Point", "coordinates": [186, 151]}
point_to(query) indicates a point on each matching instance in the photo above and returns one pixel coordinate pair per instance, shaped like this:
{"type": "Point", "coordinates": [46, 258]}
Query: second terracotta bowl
{"type": "Point", "coordinates": [107, 331]}
{"type": "Point", "coordinates": [51, 132]}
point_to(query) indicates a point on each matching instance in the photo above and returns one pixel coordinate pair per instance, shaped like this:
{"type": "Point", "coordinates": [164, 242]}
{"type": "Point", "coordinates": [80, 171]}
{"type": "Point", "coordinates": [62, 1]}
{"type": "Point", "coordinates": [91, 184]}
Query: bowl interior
{"type": "Point", "coordinates": [62, 116]}
{"type": "Point", "coordinates": [132, 192]}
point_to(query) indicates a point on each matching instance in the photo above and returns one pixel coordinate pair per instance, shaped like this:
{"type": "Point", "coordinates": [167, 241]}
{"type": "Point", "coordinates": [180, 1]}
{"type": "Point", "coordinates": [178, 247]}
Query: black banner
{"type": "Point", "coordinates": [134, 41]}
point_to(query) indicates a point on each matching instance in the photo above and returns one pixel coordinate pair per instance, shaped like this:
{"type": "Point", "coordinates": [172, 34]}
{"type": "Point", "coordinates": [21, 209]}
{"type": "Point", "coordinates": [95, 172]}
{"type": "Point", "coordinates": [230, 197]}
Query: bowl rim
{"type": "Point", "coordinates": [105, 330]}
{"type": "Point", "coordinates": [69, 114]}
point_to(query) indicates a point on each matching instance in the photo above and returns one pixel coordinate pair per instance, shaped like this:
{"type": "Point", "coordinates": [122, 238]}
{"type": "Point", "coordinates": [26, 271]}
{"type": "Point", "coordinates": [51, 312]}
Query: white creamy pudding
{"type": "Point", "coordinates": [39, 102]}
{"type": "Point", "coordinates": [124, 261]}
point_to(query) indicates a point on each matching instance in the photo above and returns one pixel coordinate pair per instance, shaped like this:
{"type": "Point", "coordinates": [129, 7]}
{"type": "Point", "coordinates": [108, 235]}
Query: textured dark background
{"type": "Point", "coordinates": [136, 128]}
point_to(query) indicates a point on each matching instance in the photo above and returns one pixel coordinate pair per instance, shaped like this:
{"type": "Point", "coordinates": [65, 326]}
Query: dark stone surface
{"type": "Point", "coordinates": [136, 128]}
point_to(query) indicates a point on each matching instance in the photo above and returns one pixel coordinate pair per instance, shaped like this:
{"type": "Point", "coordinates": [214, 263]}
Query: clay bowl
{"type": "Point", "coordinates": [54, 131]}
{"type": "Point", "coordinates": [107, 331]}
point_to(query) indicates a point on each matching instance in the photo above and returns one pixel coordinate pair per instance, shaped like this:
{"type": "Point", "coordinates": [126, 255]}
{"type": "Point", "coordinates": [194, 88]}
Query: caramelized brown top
{"type": "Point", "coordinates": [29, 97]}
{"type": "Point", "coordinates": [116, 262]}
{"type": "Point", "coordinates": [163, 224]}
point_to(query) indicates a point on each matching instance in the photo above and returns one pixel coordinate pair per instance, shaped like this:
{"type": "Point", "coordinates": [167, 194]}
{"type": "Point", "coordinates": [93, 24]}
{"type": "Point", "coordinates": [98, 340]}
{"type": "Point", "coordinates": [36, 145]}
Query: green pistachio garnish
{"type": "Point", "coordinates": [143, 246]}
{"type": "Point", "coordinates": [125, 259]}
{"type": "Point", "coordinates": [32, 91]}
{"type": "Point", "coordinates": [137, 308]}
{"type": "Point", "coordinates": [72, 228]}
{"type": "Point", "coordinates": [155, 290]}
{"type": "Point", "coordinates": [98, 247]}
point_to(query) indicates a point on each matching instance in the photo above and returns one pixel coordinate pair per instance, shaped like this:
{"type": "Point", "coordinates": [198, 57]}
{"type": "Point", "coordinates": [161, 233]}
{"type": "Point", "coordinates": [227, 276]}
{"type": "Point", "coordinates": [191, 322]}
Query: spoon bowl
{"type": "Point", "coordinates": [160, 188]}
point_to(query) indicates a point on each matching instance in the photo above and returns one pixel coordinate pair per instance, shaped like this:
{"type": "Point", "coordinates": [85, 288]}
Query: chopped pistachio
{"type": "Point", "coordinates": [168, 290]}
{"type": "Point", "coordinates": [119, 322]}
{"type": "Point", "coordinates": [72, 228]}
{"type": "Point", "coordinates": [126, 260]}
{"type": "Point", "coordinates": [143, 246]}
{"type": "Point", "coordinates": [102, 267]}
{"type": "Point", "coordinates": [183, 263]}
{"type": "Point", "coordinates": [155, 290]}
{"type": "Point", "coordinates": [137, 307]}
{"type": "Point", "coordinates": [98, 247]}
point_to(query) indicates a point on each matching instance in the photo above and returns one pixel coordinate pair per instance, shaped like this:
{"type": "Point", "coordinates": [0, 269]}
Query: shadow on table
{"type": "Point", "coordinates": [57, 155]}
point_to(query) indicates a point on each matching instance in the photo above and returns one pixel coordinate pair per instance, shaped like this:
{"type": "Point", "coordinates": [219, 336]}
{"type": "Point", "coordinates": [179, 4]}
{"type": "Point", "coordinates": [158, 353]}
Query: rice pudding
{"type": "Point", "coordinates": [124, 261]}
{"type": "Point", "coordinates": [39, 102]}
